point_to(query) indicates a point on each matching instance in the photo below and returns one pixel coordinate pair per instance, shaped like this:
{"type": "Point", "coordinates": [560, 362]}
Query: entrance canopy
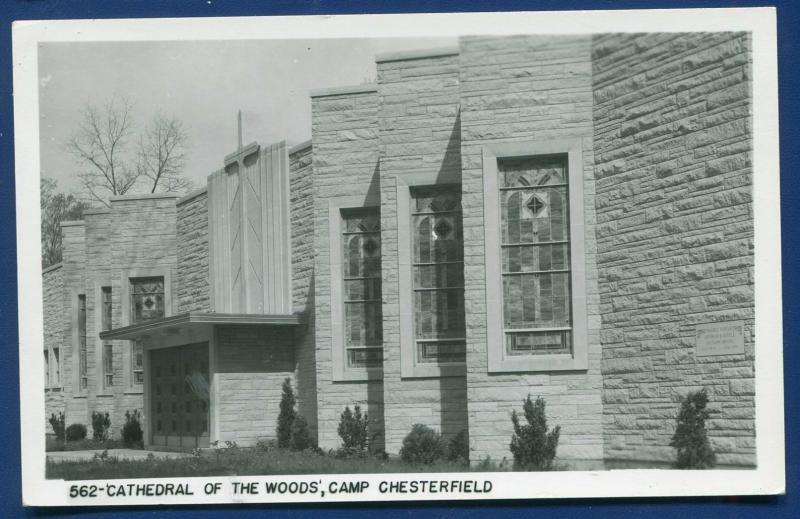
{"type": "Point", "coordinates": [176, 324]}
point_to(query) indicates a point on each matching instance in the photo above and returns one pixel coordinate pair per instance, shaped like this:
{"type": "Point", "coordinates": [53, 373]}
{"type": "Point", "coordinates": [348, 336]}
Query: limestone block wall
{"type": "Point", "coordinates": [252, 363]}
{"type": "Point", "coordinates": [192, 253]}
{"type": "Point", "coordinates": [55, 316]}
{"type": "Point", "coordinates": [143, 240]}
{"type": "Point", "coordinates": [301, 216]}
{"type": "Point", "coordinates": [526, 89]}
{"type": "Point", "coordinates": [73, 267]}
{"type": "Point", "coordinates": [345, 164]}
{"type": "Point", "coordinates": [675, 234]}
{"type": "Point", "coordinates": [419, 134]}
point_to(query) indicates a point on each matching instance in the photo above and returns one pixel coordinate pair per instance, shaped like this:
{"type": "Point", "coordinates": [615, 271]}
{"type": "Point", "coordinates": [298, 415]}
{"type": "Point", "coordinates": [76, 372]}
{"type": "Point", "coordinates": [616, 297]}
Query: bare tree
{"type": "Point", "coordinates": [162, 155]}
{"type": "Point", "coordinates": [100, 145]}
{"type": "Point", "coordinates": [56, 208]}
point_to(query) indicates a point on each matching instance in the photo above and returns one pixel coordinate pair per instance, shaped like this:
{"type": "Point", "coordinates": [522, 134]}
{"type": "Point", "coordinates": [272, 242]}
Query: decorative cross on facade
{"type": "Point", "coordinates": [238, 156]}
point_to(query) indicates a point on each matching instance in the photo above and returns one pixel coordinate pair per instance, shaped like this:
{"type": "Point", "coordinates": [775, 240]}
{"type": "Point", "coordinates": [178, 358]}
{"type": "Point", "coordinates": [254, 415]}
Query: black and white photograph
{"type": "Point", "coordinates": [411, 257]}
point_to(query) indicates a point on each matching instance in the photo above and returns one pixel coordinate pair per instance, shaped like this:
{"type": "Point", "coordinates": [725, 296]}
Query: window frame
{"type": "Point", "coordinates": [101, 287]}
{"type": "Point", "coordinates": [82, 344]}
{"type": "Point", "coordinates": [46, 368]}
{"type": "Point", "coordinates": [498, 360]}
{"type": "Point", "coordinates": [55, 365]}
{"type": "Point", "coordinates": [341, 372]}
{"type": "Point", "coordinates": [126, 312]}
{"type": "Point", "coordinates": [409, 367]}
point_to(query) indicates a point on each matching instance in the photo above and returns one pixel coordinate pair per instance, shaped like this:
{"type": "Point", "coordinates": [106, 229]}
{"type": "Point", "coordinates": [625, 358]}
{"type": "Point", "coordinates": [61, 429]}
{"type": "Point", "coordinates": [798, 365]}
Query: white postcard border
{"type": "Point", "coordinates": [767, 478]}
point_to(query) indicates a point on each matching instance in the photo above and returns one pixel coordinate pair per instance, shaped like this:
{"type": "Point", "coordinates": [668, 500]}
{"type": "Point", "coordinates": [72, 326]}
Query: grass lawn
{"type": "Point", "coordinates": [247, 461]}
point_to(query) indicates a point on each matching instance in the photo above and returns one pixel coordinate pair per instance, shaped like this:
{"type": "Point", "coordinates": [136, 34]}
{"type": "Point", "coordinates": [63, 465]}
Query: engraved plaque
{"type": "Point", "coordinates": [719, 339]}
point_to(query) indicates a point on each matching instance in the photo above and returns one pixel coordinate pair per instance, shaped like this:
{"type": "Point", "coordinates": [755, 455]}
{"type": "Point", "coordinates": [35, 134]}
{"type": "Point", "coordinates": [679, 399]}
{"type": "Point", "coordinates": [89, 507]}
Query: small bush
{"type": "Point", "coordinates": [75, 432]}
{"type": "Point", "coordinates": [301, 437]}
{"type": "Point", "coordinates": [286, 416]}
{"type": "Point", "coordinates": [132, 435]}
{"type": "Point", "coordinates": [422, 445]}
{"type": "Point", "coordinates": [58, 425]}
{"type": "Point", "coordinates": [533, 447]}
{"type": "Point", "coordinates": [353, 430]}
{"type": "Point", "coordinates": [690, 439]}
{"type": "Point", "coordinates": [458, 448]}
{"type": "Point", "coordinates": [100, 425]}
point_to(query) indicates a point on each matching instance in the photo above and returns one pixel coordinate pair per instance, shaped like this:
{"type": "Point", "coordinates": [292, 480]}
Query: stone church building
{"type": "Point", "coordinates": [561, 216]}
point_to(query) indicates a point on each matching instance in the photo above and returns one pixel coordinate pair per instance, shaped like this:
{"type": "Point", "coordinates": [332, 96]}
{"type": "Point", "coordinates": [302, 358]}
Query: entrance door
{"type": "Point", "coordinates": [179, 400]}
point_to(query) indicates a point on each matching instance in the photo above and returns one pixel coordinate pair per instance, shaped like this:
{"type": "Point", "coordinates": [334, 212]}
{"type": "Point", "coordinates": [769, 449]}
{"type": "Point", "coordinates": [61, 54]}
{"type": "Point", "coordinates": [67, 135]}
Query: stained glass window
{"type": "Point", "coordinates": [361, 248]}
{"type": "Point", "coordinates": [82, 354]}
{"type": "Point", "coordinates": [438, 273]}
{"type": "Point", "coordinates": [535, 254]}
{"type": "Point", "coordinates": [137, 362]}
{"type": "Point", "coordinates": [147, 299]}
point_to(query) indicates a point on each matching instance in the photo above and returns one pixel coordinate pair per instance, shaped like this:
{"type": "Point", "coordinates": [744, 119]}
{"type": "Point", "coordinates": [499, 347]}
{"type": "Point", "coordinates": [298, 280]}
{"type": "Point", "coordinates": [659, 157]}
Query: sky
{"type": "Point", "coordinates": [202, 84]}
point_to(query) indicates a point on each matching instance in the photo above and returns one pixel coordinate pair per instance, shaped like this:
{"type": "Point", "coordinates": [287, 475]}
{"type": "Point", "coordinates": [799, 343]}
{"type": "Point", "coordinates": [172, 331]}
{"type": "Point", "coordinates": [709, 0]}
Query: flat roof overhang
{"type": "Point", "coordinates": [176, 323]}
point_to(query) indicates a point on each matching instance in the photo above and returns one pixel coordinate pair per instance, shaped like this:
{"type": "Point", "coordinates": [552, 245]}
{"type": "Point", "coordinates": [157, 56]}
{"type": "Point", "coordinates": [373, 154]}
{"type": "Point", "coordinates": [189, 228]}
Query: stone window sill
{"type": "Point", "coordinates": [134, 392]}
{"type": "Point", "coordinates": [537, 363]}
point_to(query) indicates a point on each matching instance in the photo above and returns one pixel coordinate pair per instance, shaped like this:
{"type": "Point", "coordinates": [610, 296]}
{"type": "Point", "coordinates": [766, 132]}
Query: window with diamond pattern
{"type": "Point", "coordinates": [535, 254]}
{"type": "Point", "coordinates": [147, 299]}
{"type": "Point", "coordinates": [438, 274]}
{"type": "Point", "coordinates": [361, 248]}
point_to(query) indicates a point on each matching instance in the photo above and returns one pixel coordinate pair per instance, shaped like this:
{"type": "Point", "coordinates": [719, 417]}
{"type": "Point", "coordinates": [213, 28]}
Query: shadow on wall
{"type": "Point", "coordinates": [453, 390]}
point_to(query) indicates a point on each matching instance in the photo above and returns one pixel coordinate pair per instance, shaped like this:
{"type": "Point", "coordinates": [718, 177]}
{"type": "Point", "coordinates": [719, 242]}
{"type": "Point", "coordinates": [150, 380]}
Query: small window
{"type": "Point", "coordinates": [137, 363]}
{"type": "Point", "coordinates": [106, 309]}
{"type": "Point", "coordinates": [147, 299]}
{"type": "Point", "coordinates": [438, 276]}
{"type": "Point", "coordinates": [56, 379]}
{"type": "Point", "coordinates": [83, 378]}
{"type": "Point", "coordinates": [46, 368]}
{"type": "Point", "coordinates": [361, 248]}
{"type": "Point", "coordinates": [108, 364]}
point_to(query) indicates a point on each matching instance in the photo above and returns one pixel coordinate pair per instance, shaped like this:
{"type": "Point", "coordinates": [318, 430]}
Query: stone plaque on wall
{"type": "Point", "coordinates": [719, 339]}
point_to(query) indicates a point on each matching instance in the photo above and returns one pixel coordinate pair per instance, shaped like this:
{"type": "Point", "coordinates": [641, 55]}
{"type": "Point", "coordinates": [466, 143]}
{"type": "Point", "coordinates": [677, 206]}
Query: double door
{"type": "Point", "coordinates": [179, 402]}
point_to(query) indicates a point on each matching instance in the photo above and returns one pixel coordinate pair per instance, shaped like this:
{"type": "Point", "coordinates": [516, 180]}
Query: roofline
{"type": "Point", "coordinates": [437, 52]}
{"type": "Point", "coordinates": [52, 267]}
{"type": "Point", "coordinates": [344, 90]}
{"type": "Point", "coordinates": [300, 147]}
{"type": "Point", "coordinates": [96, 211]}
{"type": "Point", "coordinates": [198, 318]}
{"type": "Point", "coordinates": [191, 196]}
{"type": "Point", "coordinates": [72, 223]}
{"type": "Point", "coordinates": [143, 196]}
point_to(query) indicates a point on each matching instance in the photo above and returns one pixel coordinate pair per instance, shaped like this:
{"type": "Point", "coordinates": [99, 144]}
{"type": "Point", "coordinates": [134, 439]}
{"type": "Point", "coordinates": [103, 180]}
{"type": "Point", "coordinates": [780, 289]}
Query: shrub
{"type": "Point", "coordinates": [458, 448]}
{"type": "Point", "coordinates": [100, 425]}
{"type": "Point", "coordinates": [57, 423]}
{"type": "Point", "coordinates": [132, 435]}
{"type": "Point", "coordinates": [353, 430]}
{"type": "Point", "coordinates": [301, 437]}
{"type": "Point", "coordinates": [286, 416]}
{"type": "Point", "coordinates": [422, 445]}
{"type": "Point", "coordinates": [75, 432]}
{"type": "Point", "coordinates": [533, 447]}
{"type": "Point", "coordinates": [690, 439]}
